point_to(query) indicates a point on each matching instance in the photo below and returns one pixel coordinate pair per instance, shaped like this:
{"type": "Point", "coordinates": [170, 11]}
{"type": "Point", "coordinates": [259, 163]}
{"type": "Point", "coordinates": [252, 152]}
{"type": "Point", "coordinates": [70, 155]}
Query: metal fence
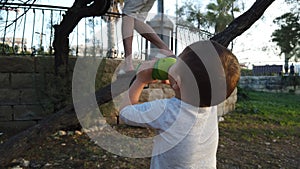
{"type": "Point", "coordinates": [267, 70]}
{"type": "Point", "coordinates": [28, 30]}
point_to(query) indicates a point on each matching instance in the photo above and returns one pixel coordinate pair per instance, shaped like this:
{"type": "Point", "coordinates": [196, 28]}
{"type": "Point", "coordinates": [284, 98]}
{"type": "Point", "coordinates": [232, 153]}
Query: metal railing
{"type": "Point", "coordinates": [27, 29]}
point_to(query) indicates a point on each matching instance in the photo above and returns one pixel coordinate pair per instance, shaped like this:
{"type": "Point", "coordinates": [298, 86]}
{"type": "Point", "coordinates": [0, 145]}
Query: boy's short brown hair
{"type": "Point", "coordinates": [216, 76]}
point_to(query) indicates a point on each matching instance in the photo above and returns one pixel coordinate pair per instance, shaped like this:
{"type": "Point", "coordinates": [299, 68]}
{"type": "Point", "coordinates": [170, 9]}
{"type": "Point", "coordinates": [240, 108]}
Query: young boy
{"type": "Point", "coordinates": [204, 75]}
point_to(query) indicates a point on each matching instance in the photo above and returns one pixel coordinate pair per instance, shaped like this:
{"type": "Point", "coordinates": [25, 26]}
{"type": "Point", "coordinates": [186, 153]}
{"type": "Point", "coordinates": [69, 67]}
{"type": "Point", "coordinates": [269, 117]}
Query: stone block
{"type": "Point", "coordinates": [10, 64]}
{"type": "Point", "coordinates": [111, 119]}
{"type": "Point", "coordinates": [151, 94]}
{"type": "Point", "coordinates": [155, 85]}
{"type": "Point", "coordinates": [110, 65]}
{"type": "Point", "coordinates": [168, 92]}
{"type": "Point", "coordinates": [9, 96]}
{"type": "Point", "coordinates": [28, 112]}
{"type": "Point", "coordinates": [24, 80]}
{"type": "Point", "coordinates": [6, 113]}
{"type": "Point", "coordinates": [44, 64]}
{"type": "Point", "coordinates": [4, 80]}
{"type": "Point", "coordinates": [231, 107]}
{"type": "Point", "coordinates": [258, 87]}
{"type": "Point", "coordinates": [288, 88]}
{"type": "Point", "coordinates": [221, 109]}
{"type": "Point", "coordinates": [109, 111]}
{"type": "Point", "coordinates": [297, 91]}
{"type": "Point", "coordinates": [28, 96]}
{"type": "Point", "coordinates": [230, 100]}
{"type": "Point", "coordinates": [104, 79]}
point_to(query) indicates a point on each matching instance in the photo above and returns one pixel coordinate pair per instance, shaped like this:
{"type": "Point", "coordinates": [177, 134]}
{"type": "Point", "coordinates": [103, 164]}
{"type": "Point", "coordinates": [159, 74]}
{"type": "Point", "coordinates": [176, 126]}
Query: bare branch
{"type": "Point", "coordinates": [15, 20]}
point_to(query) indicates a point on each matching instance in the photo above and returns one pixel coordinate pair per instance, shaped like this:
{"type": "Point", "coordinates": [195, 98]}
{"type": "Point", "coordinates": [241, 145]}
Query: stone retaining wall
{"type": "Point", "coordinates": [24, 82]}
{"type": "Point", "coordinates": [22, 104]}
{"type": "Point", "coordinates": [279, 84]}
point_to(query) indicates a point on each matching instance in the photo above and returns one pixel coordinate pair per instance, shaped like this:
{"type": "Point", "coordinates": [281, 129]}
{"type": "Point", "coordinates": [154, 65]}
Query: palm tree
{"type": "Point", "coordinates": [193, 15]}
{"type": "Point", "coordinates": [220, 14]}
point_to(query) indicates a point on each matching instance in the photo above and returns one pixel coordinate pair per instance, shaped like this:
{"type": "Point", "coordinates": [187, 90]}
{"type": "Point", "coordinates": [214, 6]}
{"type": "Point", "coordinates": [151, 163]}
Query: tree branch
{"type": "Point", "coordinates": [79, 10]}
{"type": "Point", "coordinates": [242, 23]}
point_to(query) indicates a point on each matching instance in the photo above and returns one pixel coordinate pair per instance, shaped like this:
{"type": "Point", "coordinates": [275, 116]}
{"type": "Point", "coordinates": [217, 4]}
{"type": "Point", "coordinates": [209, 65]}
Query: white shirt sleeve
{"type": "Point", "coordinates": [144, 115]}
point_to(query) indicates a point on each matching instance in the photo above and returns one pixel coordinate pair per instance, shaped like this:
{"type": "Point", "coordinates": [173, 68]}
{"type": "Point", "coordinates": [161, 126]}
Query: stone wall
{"type": "Point", "coordinates": [24, 91]}
{"type": "Point", "coordinates": [279, 84]}
{"type": "Point", "coordinates": [160, 91]}
{"type": "Point", "coordinates": [22, 104]}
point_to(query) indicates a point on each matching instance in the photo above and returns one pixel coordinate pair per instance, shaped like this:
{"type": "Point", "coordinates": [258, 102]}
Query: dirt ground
{"type": "Point", "coordinates": [251, 143]}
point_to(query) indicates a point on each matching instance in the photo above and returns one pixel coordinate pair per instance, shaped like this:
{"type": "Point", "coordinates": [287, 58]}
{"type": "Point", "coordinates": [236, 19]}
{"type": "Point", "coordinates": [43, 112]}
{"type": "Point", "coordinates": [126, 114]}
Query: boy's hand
{"type": "Point", "coordinates": [143, 77]}
{"type": "Point", "coordinates": [144, 74]}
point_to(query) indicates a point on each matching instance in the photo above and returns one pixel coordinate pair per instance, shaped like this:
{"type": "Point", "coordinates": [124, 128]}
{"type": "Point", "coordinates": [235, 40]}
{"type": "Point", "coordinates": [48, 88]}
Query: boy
{"type": "Point", "coordinates": [204, 75]}
{"type": "Point", "coordinates": [134, 15]}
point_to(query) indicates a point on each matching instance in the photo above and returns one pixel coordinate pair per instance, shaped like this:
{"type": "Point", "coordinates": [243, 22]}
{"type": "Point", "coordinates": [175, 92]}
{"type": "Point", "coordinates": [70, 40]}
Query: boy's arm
{"type": "Point", "coordinates": [144, 76]}
{"type": "Point", "coordinates": [133, 94]}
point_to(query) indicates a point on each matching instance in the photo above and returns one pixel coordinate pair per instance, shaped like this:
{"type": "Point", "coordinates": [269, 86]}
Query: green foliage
{"type": "Point", "coordinates": [246, 72]}
{"type": "Point", "coordinates": [5, 48]}
{"type": "Point", "coordinates": [192, 15]}
{"type": "Point", "coordinates": [218, 14]}
{"type": "Point", "coordinates": [287, 37]}
{"type": "Point", "coordinates": [242, 94]}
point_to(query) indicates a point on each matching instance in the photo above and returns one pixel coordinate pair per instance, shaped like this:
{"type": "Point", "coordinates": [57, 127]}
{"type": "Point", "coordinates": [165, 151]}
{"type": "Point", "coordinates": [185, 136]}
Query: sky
{"type": "Point", "coordinates": [253, 47]}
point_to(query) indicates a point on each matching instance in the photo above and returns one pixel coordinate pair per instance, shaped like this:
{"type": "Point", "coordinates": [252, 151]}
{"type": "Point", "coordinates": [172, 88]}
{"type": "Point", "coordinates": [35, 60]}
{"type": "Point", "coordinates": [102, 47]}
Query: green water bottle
{"type": "Point", "coordinates": [161, 67]}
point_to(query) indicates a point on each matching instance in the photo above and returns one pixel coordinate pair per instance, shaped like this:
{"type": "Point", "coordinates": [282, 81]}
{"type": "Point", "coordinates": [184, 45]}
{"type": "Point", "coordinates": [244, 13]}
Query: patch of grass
{"type": "Point", "coordinates": [274, 108]}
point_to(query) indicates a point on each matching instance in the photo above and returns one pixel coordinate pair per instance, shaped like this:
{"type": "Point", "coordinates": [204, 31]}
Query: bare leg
{"type": "Point", "coordinates": [148, 33]}
{"type": "Point", "coordinates": [128, 25]}
{"type": "Point", "coordinates": [127, 33]}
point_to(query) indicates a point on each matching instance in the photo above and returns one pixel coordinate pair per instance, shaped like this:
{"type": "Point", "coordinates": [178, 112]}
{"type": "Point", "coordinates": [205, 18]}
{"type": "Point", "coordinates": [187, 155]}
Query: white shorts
{"type": "Point", "coordinates": [137, 8]}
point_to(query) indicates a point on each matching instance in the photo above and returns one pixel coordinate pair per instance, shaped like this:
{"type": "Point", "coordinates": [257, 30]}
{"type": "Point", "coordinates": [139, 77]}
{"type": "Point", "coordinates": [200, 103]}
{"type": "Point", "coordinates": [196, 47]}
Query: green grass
{"type": "Point", "coordinates": [263, 116]}
{"type": "Point", "coordinates": [276, 108]}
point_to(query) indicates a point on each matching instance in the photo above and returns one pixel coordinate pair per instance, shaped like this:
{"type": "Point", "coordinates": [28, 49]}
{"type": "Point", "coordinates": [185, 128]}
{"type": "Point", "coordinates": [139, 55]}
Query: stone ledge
{"type": "Point", "coordinates": [13, 64]}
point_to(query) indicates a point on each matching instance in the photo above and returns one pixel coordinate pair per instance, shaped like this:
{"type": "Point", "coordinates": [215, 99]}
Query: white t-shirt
{"type": "Point", "coordinates": [187, 135]}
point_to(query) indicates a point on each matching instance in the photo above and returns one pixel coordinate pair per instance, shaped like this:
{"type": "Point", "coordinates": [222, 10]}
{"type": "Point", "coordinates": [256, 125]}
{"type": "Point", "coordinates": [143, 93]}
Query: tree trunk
{"type": "Point", "coordinates": [111, 37]}
{"type": "Point", "coordinates": [79, 10]}
{"type": "Point", "coordinates": [286, 64]}
{"type": "Point", "coordinates": [16, 145]}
